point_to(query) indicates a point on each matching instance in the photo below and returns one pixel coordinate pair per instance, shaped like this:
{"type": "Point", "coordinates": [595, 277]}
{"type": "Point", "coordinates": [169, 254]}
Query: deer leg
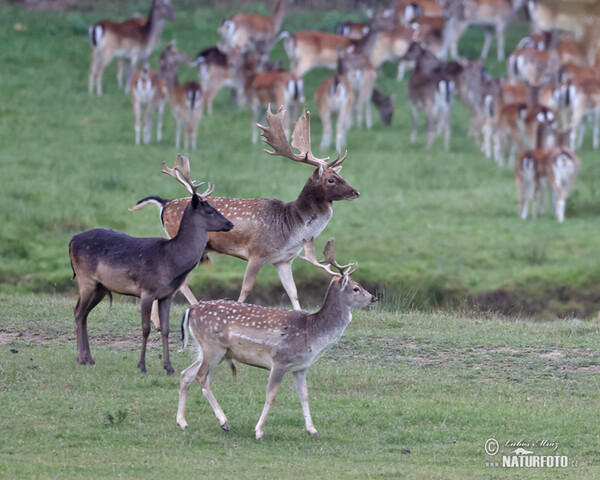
{"type": "Point", "coordinates": [255, 107]}
{"type": "Point", "coordinates": [415, 117]}
{"type": "Point", "coordinates": [161, 109]}
{"type": "Point", "coordinates": [188, 294]}
{"type": "Point", "coordinates": [252, 270]}
{"type": "Point", "coordinates": [120, 73]}
{"type": "Point", "coordinates": [500, 41]}
{"type": "Point", "coordinates": [284, 270]}
{"type": "Point", "coordinates": [146, 308]}
{"type": "Point", "coordinates": [211, 358]}
{"type": "Point", "coordinates": [88, 299]}
{"type": "Point", "coordinates": [154, 315]}
{"type": "Point", "coordinates": [178, 133]}
{"type": "Point", "coordinates": [187, 377]}
{"type": "Point", "coordinates": [92, 74]}
{"type": "Point", "coordinates": [486, 44]}
{"type": "Point", "coordinates": [302, 389]}
{"type": "Point", "coordinates": [129, 68]}
{"type": "Point", "coordinates": [326, 120]}
{"type": "Point", "coordinates": [138, 123]}
{"type": "Point", "coordinates": [272, 388]}
{"type": "Point", "coordinates": [164, 308]}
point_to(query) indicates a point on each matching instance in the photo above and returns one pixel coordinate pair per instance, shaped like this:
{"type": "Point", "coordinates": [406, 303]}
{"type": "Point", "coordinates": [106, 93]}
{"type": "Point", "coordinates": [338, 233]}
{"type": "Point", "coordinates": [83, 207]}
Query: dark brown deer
{"type": "Point", "coordinates": [132, 40]}
{"type": "Point", "coordinates": [274, 339]}
{"type": "Point", "coordinates": [269, 231]}
{"type": "Point", "coordinates": [106, 261]}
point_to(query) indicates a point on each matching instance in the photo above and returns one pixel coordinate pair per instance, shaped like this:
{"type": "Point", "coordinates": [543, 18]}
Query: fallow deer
{"type": "Point", "coordinates": [270, 231]}
{"type": "Point", "coordinates": [581, 99]}
{"type": "Point", "coordinates": [245, 30]}
{"type": "Point", "coordinates": [186, 99]}
{"type": "Point", "coordinates": [334, 97]}
{"type": "Point", "coordinates": [491, 14]}
{"type": "Point", "coordinates": [362, 77]}
{"type": "Point", "coordinates": [147, 87]}
{"type": "Point", "coordinates": [216, 70]}
{"type": "Point", "coordinates": [132, 40]}
{"type": "Point", "coordinates": [274, 339]}
{"type": "Point", "coordinates": [431, 90]}
{"type": "Point", "coordinates": [106, 261]}
{"type": "Point", "coordinates": [308, 49]}
{"type": "Point", "coordinates": [353, 30]}
{"type": "Point", "coordinates": [570, 17]}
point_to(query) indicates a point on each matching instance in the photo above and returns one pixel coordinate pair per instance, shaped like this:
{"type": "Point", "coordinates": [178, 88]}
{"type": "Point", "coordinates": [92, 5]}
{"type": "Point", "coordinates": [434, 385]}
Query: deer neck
{"type": "Point", "coordinates": [154, 26]}
{"type": "Point", "coordinates": [328, 324]}
{"type": "Point", "coordinates": [170, 77]}
{"type": "Point", "coordinates": [311, 203]}
{"type": "Point", "coordinates": [188, 245]}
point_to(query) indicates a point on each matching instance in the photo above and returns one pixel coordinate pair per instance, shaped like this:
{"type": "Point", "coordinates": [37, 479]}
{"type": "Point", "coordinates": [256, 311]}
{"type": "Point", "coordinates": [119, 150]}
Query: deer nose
{"type": "Point", "coordinates": [374, 299]}
{"type": "Point", "coordinates": [356, 193]}
{"type": "Point", "coordinates": [229, 226]}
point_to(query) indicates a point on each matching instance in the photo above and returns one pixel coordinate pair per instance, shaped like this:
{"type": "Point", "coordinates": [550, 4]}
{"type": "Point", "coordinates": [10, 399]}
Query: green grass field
{"type": "Point", "coordinates": [436, 385]}
{"type": "Point", "coordinates": [435, 233]}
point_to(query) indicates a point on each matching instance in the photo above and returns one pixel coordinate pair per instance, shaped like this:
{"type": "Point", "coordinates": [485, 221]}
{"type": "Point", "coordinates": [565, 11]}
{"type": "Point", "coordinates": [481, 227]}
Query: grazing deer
{"type": "Point", "coordinates": [270, 231]}
{"type": "Point", "coordinates": [106, 261]}
{"type": "Point", "coordinates": [147, 87]}
{"type": "Point", "coordinates": [132, 40]}
{"type": "Point", "coordinates": [334, 97]}
{"type": "Point", "coordinates": [274, 339]}
{"type": "Point", "coordinates": [185, 100]}
{"type": "Point", "coordinates": [245, 30]}
{"type": "Point", "coordinates": [308, 49]}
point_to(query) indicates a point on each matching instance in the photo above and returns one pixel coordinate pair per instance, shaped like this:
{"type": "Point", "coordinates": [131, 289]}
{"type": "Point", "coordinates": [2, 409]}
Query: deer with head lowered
{"type": "Point", "coordinates": [106, 261]}
{"type": "Point", "coordinates": [132, 40]}
{"type": "Point", "coordinates": [274, 339]}
{"type": "Point", "coordinates": [270, 231]}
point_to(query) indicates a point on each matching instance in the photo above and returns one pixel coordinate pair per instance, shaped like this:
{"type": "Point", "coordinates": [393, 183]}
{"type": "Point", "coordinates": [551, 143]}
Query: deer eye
{"type": "Point", "coordinates": [331, 181]}
{"type": "Point", "coordinates": [356, 289]}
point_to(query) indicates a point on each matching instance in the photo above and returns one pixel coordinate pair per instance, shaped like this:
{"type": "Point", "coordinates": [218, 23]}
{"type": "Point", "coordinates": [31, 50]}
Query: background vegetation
{"type": "Point", "coordinates": [403, 395]}
{"type": "Point", "coordinates": [431, 227]}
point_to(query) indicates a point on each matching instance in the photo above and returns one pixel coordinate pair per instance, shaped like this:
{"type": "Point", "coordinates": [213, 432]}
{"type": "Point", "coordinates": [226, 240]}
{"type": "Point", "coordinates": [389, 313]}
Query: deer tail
{"type": "Point", "coordinates": [184, 330]}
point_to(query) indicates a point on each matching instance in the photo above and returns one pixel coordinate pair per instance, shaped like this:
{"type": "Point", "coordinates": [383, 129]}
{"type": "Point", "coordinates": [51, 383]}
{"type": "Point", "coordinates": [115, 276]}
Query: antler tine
{"type": "Point", "coordinates": [181, 173]}
{"type": "Point", "coordinates": [338, 161]}
{"type": "Point", "coordinates": [301, 140]}
{"type": "Point", "coordinates": [329, 254]}
{"type": "Point", "coordinates": [311, 257]}
{"type": "Point", "coordinates": [207, 193]}
{"type": "Point", "coordinates": [275, 136]}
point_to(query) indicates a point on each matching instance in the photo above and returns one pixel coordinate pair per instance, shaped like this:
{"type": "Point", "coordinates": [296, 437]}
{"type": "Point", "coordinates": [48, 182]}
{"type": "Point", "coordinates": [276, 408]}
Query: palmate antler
{"type": "Point", "coordinates": [329, 253]}
{"type": "Point", "coordinates": [181, 173]}
{"type": "Point", "coordinates": [274, 135]}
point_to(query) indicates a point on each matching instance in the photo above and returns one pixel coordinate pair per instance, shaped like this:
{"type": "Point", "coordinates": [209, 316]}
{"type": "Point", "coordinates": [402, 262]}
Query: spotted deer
{"type": "Point", "coordinates": [106, 261]}
{"type": "Point", "coordinates": [334, 97]}
{"type": "Point", "coordinates": [148, 87]}
{"type": "Point", "coordinates": [186, 100]}
{"type": "Point", "coordinates": [132, 40]}
{"type": "Point", "coordinates": [269, 231]}
{"type": "Point", "coordinates": [274, 339]}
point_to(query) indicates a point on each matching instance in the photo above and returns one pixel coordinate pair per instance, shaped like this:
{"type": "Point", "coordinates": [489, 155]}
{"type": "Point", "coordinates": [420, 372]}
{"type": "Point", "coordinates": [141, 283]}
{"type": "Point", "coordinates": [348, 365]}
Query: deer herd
{"type": "Point", "coordinates": [536, 114]}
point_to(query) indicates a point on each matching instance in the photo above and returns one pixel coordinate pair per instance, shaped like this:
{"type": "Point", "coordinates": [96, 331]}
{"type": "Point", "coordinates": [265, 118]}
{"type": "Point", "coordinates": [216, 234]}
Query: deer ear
{"type": "Point", "coordinates": [321, 170]}
{"type": "Point", "coordinates": [345, 278]}
{"type": "Point", "coordinates": [337, 169]}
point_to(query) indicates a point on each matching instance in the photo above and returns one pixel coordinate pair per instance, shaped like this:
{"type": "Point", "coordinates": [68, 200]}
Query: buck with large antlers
{"type": "Point", "coordinates": [106, 261]}
{"type": "Point", "coordinates": [132, 40]}
{"type": "Point", "coordinates": [277, 340]}
{"type": "Point", "coordinates": [269, 231]}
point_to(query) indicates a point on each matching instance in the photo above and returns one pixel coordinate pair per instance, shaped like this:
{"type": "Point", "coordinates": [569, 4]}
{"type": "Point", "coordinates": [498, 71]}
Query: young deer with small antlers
{"type": "Point", "coordinates": [269, 231]}
{"type": "Point", "coordinates": [106, 261]}
{"type": "Point", "coordinates": [132, 40]}
{"type": "Point", "coordinates": [277, 340]}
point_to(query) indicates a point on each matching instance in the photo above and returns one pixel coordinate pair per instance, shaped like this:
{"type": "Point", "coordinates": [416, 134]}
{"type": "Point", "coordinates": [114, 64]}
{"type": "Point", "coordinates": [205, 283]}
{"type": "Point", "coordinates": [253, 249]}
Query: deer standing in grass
{"type": "Point", "coordinates": [269, 231]}
{"type": "Point", "coordinates": [106, 261]}
{"type": "Point", "coordinates": [147, 87]}
{"type": "Point", "coordinates": [277, 340]}
{"type": "Point", "coordinates": [131, 40]}
{"type": "Point", "coordinates": [334, 97]}
{"type": "Point", "coordinates": [186, 99]}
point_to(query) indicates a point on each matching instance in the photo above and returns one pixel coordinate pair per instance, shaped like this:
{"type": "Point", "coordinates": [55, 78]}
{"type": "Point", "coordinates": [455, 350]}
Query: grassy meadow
{"type": "Point", "coordinates": [412, 391]}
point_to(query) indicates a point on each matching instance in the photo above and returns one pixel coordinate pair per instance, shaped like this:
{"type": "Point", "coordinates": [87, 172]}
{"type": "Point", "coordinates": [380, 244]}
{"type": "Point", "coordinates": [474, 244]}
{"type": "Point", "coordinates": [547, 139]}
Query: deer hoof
{"type": "Point", "coordinates": [169, 370]}
{"type": "Point", "coordinates": [314, 434]}
{"type": "Point", "coordinates": [225, 427]}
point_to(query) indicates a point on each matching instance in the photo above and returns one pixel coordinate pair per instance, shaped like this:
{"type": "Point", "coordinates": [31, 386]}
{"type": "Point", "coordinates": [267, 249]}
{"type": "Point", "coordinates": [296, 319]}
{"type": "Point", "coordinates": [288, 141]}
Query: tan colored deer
{"type": "Point", "coordinates": [572, 17]}
{"type": "Point", "coordinates": [362, 77]}
{"type": "Point", "coordinates": [245, 30]}
{"type": "Point", "coordinates": [132, 40]}
{"type": "Point", "coordinates": [270, 231]}
{"type": "Point", "coordinates": [147, 87]}
{"type": "Point", "coordinates": [277, 340]}
{"type": "Point", "coordinates": [186, 99]}
{"type": "Point", "coordinates": [308, 49]}
{"type": "Point", "coordinates": [152, 269]}
{"type": "Point", "coordinates": [334, 97]}
{"type": "Point", "coordinates": [217, 70]}
{"type": "Point", "coordinates": [580, 99]}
